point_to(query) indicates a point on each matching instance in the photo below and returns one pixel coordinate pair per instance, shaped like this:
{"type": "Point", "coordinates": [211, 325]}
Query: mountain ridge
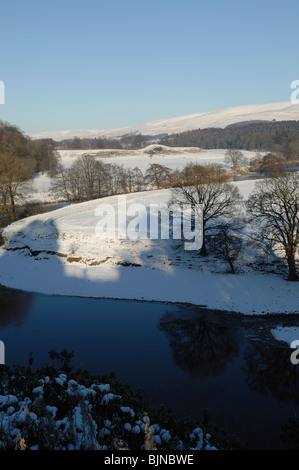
{"type": "Point", "coordinates": [283, 111]}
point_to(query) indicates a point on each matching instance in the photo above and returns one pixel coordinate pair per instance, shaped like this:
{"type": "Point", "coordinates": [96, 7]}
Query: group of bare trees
{"type": "Point", "coordinates": [89, 178]}
{"type": "Point", "coordinates": [269, 164]}
{"type": "Point", "coordinates": [272, 208]}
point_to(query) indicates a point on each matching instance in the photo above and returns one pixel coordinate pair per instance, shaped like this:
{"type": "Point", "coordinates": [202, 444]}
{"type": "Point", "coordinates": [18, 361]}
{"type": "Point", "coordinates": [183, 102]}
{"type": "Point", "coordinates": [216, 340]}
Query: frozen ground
{"type": "Point", "coordinates": [59, 253]}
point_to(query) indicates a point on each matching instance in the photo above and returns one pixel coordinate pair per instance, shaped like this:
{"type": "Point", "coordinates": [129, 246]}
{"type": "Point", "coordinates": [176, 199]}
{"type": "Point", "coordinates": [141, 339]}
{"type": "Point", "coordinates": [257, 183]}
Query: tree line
{"type": "Point", "coordinates": [127, 141]}
{"type": "Point", "coordinates": [267, 164]}
{"type": "Point", "coordinates": [90, 178]}
{"type": "Point", "coordinates": [278, 137]}
{"type": "Point", "coordinates": [20, 159]}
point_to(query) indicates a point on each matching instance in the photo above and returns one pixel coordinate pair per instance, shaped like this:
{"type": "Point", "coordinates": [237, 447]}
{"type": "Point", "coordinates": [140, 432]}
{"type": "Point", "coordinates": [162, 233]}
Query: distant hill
{"type": "Point", "coordinates": [245, 123]}
{"type": "Point", "coordinates": [276, 136]}
{"type": "Point", "coordinates": [211, 119]}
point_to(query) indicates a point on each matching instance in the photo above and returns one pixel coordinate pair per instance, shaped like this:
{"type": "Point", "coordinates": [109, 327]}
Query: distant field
{"type": "Point", "coordinates": [174, 158]}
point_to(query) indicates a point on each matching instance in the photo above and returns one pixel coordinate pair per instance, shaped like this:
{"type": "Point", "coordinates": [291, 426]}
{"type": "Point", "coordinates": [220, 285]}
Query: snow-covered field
{"type": "Point", "coordinates": [59, 253]}
{"type": "Point", "coordinates": [173, 158]}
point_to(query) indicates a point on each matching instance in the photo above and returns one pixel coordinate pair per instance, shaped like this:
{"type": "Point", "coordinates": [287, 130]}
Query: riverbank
{"type": "Point", "coordinates": [57, 408]}
{"type": "Point", "coordinates": [246, 294]}
{"type": "Point", "coordinates": [59, 253]}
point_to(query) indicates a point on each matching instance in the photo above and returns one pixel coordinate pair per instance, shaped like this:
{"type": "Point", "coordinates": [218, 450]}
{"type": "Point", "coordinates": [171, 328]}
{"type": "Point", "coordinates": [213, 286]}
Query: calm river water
{"type": "Point", "coordinates": [184, 357]}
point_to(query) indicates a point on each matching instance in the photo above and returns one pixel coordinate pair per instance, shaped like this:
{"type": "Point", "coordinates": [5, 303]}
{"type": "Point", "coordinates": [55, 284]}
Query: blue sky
{"type": "Point", "coordinates": [100, 65]}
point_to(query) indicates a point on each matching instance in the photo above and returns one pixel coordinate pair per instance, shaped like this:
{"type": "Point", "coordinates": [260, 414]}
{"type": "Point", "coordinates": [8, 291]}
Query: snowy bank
{"type": "Point", "coordinates": [59, 253]}
{"type": "Point", "coordinates": [286, 334]}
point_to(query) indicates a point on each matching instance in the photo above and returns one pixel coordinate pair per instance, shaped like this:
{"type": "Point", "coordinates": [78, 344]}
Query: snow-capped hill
{"type": "Point", "coordinates": [285, 111]}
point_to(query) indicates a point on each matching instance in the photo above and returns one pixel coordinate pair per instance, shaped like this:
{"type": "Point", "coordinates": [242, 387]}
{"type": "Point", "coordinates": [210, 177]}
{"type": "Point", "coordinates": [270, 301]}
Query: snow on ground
{"type": "Point", "coordinates": [41, 183]}
{"type": "Point", "coordinates": [286, 334]}
{"type": "Point", "coordinates": [59, 253]}
{"type": "Point", "coordinates": [173, 158]}
{"type": "Point", "coordinates": [40, 189]}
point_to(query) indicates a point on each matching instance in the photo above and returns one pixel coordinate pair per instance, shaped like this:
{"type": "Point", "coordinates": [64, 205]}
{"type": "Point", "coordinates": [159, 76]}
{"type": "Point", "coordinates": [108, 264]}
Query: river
{"type": "Point", "coordinates": [184, 357]}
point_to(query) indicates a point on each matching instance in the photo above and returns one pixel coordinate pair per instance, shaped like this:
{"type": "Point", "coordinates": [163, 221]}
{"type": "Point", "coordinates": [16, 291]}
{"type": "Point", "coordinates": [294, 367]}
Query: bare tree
{"type": "Point", "coordinates": [227, 245]}
{"type": "Point", "coordinates": [205, 188]}
{"type": "Point", "coordinates": [134, 179]}
{"type": "Point", "coordinates": [67, 184]}
{"type": "Point", "coordinates": [86, 179]}
{"type": "Point", "coordinates": [15, 176]}
{"type": "Point", "coordinates": [86, 167]}
{"type": "Point", "coordinates": [116, 179]}
{"type": "Point", "coordinates": [102, 175]}
{"type": "Point", "coordinates": [158, 175]}
{"type": "Point", "coordinates": [138, 179]}
{"type": "Point", "coordinates": [272, 164]}
{"type": "Point", "coordinates": [235, 158]}
{"type": "Point", "coordinates": [274, 206]}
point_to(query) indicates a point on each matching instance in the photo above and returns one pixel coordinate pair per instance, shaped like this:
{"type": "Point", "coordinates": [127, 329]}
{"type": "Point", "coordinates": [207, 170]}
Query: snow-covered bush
{"type": "Point", "coordinates": [57, 410]}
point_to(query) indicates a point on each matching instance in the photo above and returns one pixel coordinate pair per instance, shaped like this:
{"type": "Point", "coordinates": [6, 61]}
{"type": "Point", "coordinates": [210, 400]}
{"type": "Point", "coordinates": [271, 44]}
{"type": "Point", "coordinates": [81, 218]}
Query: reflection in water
{"type": "Point", "coordinates": [14, 307]}
{"type": "Point", "coordinates": [269, 370]}
{"type": "Point", "coordinates": [204, 343]}
{"type": "Point", "coordinates": [201, 343]}
{"type": "Point", "coordinates": [194, 360]}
